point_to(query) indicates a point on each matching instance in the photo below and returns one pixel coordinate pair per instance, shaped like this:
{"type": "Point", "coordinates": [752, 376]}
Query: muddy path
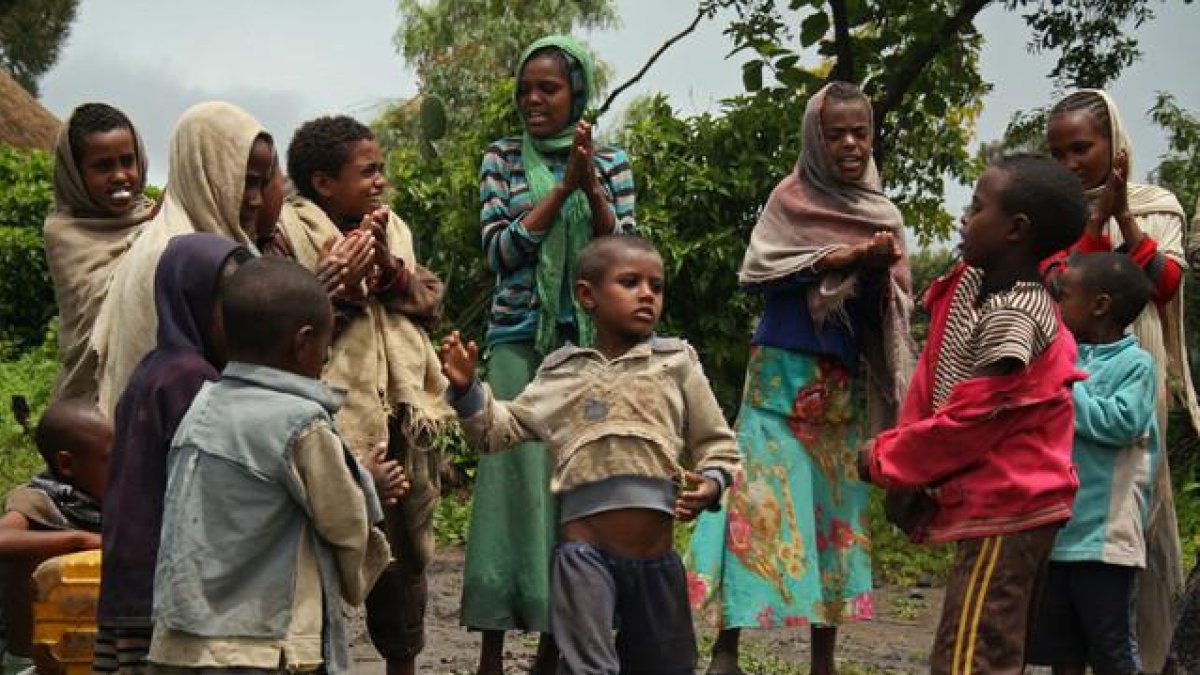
{"type": "Point", "coordinates": [897, 641]}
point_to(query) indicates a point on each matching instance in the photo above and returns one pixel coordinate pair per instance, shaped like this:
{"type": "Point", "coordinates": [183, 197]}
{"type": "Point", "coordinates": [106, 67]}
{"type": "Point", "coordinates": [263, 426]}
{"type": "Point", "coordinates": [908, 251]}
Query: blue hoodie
{"type": "Point", "coordinates": [1116, 448]}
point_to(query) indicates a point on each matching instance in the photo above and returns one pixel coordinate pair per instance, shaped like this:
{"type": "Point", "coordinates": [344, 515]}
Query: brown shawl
{"type": "Point", "coordinates": [383, 360]}
{"type": "Point", "coordinates": [83, 249]}
{"type": "Point", "coordinates": [813, 212]}
{"type": "Point", "coordinates": [206, 176]}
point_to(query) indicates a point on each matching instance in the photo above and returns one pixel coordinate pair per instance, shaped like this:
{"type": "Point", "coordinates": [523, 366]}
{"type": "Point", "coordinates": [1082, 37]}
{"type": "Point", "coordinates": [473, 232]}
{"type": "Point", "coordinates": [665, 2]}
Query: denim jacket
{"type": "Point", "coordinates": [260, 490]}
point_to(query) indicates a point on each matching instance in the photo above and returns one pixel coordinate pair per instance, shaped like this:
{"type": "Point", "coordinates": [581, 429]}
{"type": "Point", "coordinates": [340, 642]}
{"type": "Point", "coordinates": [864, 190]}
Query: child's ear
{"type": "Point", "coordinates": [63, 464]}
{"type": "Point", "coordinates": [1020, 228]}
{"type": "Point", "coordinates": [1101, 304]}
{"type": "Point", "coordinates": [323, 184]}
{"type": "Point", "coordinates": [586, 295]}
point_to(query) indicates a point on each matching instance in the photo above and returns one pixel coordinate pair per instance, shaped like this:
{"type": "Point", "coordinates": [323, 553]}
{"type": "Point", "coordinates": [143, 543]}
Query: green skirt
{"type": "Point", "coordinates": [506, 583]}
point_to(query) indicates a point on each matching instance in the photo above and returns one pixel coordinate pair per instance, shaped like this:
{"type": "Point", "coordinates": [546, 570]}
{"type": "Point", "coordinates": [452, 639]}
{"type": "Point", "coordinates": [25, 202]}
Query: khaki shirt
{"type": "Point", "coordinates": [649, 412]}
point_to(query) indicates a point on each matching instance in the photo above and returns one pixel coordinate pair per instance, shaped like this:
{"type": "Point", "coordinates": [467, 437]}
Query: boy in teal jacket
{"type": "Point", "coordinates": [1084, 616]}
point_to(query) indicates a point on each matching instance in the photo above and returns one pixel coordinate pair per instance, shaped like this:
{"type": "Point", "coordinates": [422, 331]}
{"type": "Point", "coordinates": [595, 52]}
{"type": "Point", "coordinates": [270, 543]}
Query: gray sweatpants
{"type": "Point", "coordinates": [646, 599]}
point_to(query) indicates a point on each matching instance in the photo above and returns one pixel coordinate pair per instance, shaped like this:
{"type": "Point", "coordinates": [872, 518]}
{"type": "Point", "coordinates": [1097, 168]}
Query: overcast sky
{"type": "Point", "coordinates": [286, 62]}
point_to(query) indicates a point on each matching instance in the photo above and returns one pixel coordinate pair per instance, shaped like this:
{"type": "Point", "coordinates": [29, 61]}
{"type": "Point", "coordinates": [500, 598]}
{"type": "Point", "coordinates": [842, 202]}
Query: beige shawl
{"type": "Point", "coordinates": [383, 360]}
{"type": "Point", "coordinates": [813, 212]}
{"type": "Point", "coordinates": [206, 176]}
{"type": "Point", "coordinates": [83, 249]}
{"type": "Point", "coordinates": [1159, 329]}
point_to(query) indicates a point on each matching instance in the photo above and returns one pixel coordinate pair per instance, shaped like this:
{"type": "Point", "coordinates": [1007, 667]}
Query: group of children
{"type": "Point", "coordinates": [272, 414]}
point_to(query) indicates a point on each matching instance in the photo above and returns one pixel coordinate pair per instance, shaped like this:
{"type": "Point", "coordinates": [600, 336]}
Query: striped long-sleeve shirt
{"type": "Point", "coordinates": [511, 250]}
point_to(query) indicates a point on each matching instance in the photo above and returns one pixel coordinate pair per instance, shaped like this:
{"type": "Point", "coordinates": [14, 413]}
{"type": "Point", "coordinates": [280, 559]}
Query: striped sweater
{"type": "Point", "coordinates": [511, 250]}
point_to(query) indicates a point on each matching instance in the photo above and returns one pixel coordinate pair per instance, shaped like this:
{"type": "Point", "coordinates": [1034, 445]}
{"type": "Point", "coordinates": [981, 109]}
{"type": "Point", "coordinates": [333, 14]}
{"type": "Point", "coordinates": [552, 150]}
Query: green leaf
{"type": "Point", "coordinates": [814, 28]}
{"type": "Point", "coordinates": [752, 75]}
{"type": "Point", "coordinates": [797, 78]}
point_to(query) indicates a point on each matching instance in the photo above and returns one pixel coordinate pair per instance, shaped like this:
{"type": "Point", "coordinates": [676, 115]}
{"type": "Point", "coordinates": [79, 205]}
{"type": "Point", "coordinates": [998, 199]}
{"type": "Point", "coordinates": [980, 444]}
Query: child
{"type": "Point", "coordinates": [381, 355]}
{"type": "Point", "coordinates": [190, 352]}
{"type": "Point", "coordinates": [55, 513]}
{"type": "Point", "coordinates": [986, 426]}
{"type": "Point", "coordinates": [220, 166]}
{"type": "Point", "coordinates": [1084, 613]}
{"type": "Point", "coordinates": [268, 520]}
{"type": "Point", "coordinates": [616, 420]}
{"type": "Point", "coordinates": [99, 175]}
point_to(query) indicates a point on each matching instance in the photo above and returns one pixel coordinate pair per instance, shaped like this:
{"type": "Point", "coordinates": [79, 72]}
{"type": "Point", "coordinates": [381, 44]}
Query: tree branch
{"type": "Point", "coordinates": [844, 70]}
{"type": "Point", "coordinates": [903, 77]}
{"type": "Point", "coordinates": [653, 57]}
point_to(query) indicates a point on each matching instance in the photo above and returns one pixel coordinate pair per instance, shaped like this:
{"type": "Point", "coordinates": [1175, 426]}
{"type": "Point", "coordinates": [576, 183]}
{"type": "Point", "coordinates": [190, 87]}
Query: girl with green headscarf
{"type": "Point", "coordinates": [543, 196]}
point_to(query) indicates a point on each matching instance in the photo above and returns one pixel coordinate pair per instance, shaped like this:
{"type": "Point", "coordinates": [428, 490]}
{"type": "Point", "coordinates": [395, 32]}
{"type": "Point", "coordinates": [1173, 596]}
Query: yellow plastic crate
{"type": "Point", "coordinates": [66, 593]}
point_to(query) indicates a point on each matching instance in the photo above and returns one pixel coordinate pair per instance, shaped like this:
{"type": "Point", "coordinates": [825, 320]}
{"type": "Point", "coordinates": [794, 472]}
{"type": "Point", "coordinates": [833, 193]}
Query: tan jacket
{"type": "Point", "coordinates": [588, 409]}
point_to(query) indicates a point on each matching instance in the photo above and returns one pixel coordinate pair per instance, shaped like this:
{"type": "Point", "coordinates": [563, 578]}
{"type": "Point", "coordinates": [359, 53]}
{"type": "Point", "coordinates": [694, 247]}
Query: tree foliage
{"type": "Point", "coordinates": [919, 63]}
{"type": "Point", "coordinates": [1179, 169]}
{"type": "Point", "coordinates": [31, 36]}
{"type": "Point", "coordinates": [461, 48]}
{"type": "Point", "coordinates": [26, 296]}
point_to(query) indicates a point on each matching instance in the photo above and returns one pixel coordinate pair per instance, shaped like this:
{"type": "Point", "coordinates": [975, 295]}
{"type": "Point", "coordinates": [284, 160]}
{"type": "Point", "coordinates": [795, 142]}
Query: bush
{"type": "Point", "coordinates": [26, 187]}
{"type": "Point", "coordinates": [31, 376]}
{"type": "Point", "coordinates": [26, 294]}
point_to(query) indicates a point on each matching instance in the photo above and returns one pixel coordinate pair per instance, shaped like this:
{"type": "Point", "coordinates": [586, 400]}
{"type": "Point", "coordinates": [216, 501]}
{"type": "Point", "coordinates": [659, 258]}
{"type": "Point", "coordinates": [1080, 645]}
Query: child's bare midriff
{"type": "Point", "coordinates": [629, 533]}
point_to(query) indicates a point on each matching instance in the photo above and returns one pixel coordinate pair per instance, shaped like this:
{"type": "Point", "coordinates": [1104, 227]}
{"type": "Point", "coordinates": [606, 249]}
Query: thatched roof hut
{"type": "Point", "coordinates": [24, 123]}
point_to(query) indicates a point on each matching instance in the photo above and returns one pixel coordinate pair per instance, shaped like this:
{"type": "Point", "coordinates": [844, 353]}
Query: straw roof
{"type": "Point", "coordinates": [24, 123]}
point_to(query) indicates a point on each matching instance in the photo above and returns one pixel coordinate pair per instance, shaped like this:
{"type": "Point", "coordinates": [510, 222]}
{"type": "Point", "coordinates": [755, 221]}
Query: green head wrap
{"type": "Point", "coordinates": [572, 228]}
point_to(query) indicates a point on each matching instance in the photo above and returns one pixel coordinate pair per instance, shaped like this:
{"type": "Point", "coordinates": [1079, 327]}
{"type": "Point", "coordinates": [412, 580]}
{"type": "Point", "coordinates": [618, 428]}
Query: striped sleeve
{"type": "Point", "coordinates": [618, 178]}
{"type": "Point", "coordinates": [507, 245]}
{"type": "Point", "coordinates": [1020, 330]}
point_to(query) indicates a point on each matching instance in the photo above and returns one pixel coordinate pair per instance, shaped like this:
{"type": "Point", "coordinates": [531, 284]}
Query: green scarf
{"type": "Point", "coordinates": [572, 228]}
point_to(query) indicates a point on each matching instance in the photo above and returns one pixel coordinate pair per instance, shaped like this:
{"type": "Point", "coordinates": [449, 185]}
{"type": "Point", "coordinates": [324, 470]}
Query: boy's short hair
{"type": "Point", "coordinates": [91, 118]}
{"type": "Point", "coordinates": [1118, 277]}
{"type": "Point", "coordinates": [1049, 195]}
{"type": "Point", "coordinates": [322, 144]}
{"type": "Point", "coordinates": [602, 253]}
{"type": "Point", "coordinates": [266, 301]}
{"type": "Point", "coordinates": [65, 426]}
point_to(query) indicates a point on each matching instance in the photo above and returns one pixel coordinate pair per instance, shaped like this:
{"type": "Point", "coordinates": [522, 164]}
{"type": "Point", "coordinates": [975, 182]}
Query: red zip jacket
{"type": "Point", "coordinates": [998, 451]}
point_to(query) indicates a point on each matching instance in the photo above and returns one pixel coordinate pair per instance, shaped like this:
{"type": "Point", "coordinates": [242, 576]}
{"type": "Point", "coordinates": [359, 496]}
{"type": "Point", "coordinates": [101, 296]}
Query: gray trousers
{"type": "Point", "coordinates": [646, 599]}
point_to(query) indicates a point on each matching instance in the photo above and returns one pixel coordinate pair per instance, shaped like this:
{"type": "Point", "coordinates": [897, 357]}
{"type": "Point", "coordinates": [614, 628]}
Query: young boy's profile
{"type": "Point", "coordinates": [637, 440]}
{"type": "Point", "coordinates": [269, 521]}
{"type": "Point", "coordinates": [56, 512]}
{"type": "Point", "coordinates": [1083, 618]}
{"type": "Point", "coordinates": [381, 355]}
{"type": "Point", "coordinates": [986, 427]}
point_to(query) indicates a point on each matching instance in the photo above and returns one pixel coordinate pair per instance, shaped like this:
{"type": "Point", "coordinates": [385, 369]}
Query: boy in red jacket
{"type": "Point", "coordinates": [986, 428]}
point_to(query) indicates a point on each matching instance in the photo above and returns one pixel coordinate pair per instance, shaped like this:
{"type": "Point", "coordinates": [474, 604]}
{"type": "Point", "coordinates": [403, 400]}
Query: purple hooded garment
{"type": "Point", "coordinates": [155, 400]}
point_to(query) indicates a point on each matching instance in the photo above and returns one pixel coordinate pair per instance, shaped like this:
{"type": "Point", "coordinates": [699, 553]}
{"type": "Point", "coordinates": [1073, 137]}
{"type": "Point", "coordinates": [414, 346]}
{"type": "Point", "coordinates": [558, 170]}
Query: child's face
{"type": "Point", "coordinates": [358, 187]}
{"type": "Point", "coordinates": [846, 129]}
{"type": "Point", "coordinates": [109, 166]}
{"type": "Point", "coordinates": [627, 302]}
{"type": "Point", "coordinates": [86, 467]}
{"type": "Point", "coordinates": [1078, 143]}
{"type": "Point", "coordinates": [1082, 309]}
{"type": "Point", "coordinates": [544, 95]}
{"type": "Point", "coordinates": [986, 229]}
{"type": "Point", "coordinates": [259, 169]}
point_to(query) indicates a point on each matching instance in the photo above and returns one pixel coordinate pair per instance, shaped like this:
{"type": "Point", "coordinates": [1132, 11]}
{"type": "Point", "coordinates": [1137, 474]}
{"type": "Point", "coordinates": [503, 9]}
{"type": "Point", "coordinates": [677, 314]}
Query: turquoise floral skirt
{"type": "Point", "coordinates": [790, 548]}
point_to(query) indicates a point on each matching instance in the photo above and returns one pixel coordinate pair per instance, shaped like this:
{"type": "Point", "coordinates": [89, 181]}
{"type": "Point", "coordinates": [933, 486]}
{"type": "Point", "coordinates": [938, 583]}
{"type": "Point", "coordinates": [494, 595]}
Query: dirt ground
{"type": "Point", "coordinates": [897, 641]}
